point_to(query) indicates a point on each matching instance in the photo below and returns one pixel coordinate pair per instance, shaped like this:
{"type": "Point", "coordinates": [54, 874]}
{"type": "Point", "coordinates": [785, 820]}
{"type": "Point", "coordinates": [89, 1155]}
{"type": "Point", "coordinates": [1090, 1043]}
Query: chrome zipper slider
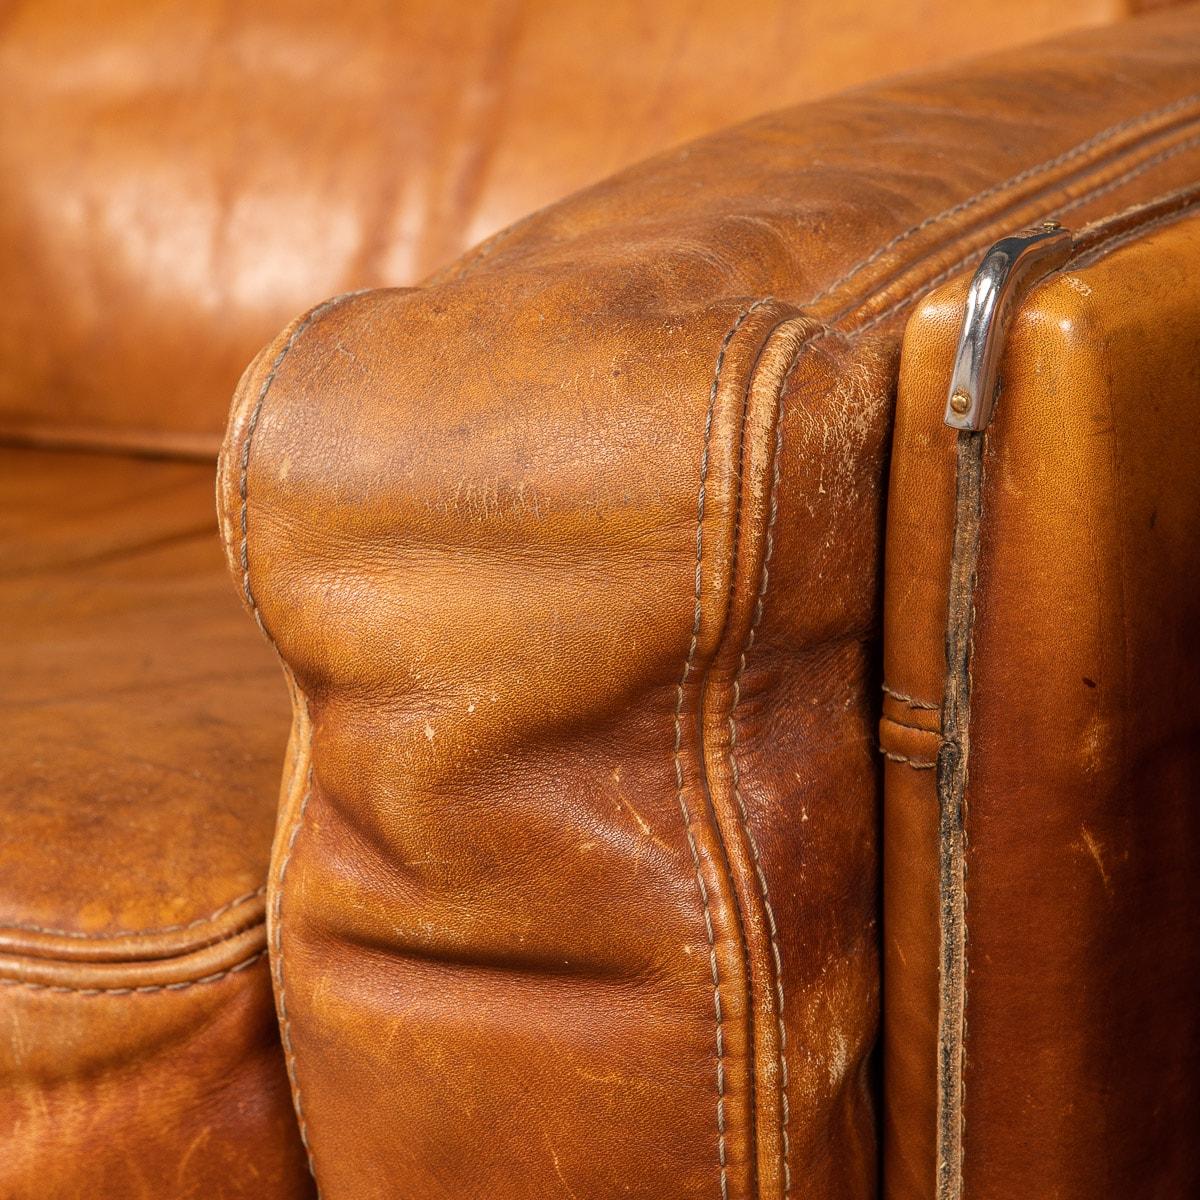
{"type": "Point", "coordinates": [1009, 269]}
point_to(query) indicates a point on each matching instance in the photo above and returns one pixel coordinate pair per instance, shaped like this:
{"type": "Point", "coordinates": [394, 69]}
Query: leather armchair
{"type": "Point", "coordinates": [708, 774]}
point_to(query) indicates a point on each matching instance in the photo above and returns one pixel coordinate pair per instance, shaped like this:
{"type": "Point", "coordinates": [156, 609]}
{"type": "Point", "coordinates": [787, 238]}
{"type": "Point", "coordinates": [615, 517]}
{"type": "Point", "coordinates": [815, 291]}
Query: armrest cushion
{"type": "Point", "coordinates": [573, 557]}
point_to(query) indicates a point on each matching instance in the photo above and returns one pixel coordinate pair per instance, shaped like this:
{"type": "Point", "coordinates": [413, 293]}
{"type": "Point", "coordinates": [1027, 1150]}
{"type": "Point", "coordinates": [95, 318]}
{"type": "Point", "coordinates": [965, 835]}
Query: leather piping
{"type": "Point", "coordinates": [752, 548]}
{"type": "Point", "coordinates": [131, 945]}
{"type": "Point", "coordinates": [1095, 242]}
{"type": "Point", "coordinates": [720, 862]}
{"type": "Point", "coordinates": [222, 958]}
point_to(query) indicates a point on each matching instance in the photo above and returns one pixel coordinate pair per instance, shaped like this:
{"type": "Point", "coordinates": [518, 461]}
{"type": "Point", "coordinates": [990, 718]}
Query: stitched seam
{"type": "Point", "coordinates": [251, 428]}
{"type": "Point", "coordinates": [911, 701]}
{"type": "Point", "coordinates": [1087, 197]}
{"type": "Point", "coordinates": [1153, 161]}
{"type": "Point", "coordinates": [684, 808]}
{"type": "Point", "coordinates": [735, 772]}
{"type": "Point", "coordinates": [285, 1028]}
{"type": "Point", "coordinates": [143, 990]}
{"type": "Point", "coordinates": [918, 764]}
{"type": "Point", "coordinates": [1024, 176]}
{"type": "Point", "coordinates": [1106, 247]}
{"type": "Point", "coordinates": [915, 728]}
{"type": "Point", "coordinates": [276, 936]}
{"type": "Point", "coordinates": [119, 933]}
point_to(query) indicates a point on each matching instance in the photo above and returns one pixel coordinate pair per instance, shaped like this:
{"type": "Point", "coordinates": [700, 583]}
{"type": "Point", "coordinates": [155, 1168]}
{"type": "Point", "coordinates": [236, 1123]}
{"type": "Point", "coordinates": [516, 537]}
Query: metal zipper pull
{"type": "Point", "coordinates": [1009, 269]}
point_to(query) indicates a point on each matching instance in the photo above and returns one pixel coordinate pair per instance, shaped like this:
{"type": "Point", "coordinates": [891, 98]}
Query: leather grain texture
{"type": "Point", "coordinates": [574, 558]}
{"type": "Point", "coordinates": [177, 177]}
{"type": "Point", "coordinates": [144, 722]}
{"type": "Point", "coordinates": [1076, 1067]}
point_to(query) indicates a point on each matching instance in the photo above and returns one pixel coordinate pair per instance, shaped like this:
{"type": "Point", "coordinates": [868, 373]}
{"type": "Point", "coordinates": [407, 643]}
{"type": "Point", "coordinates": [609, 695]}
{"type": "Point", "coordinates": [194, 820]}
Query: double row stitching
{"type": "Point", "coordinates": [142, 990]}
{"type": "Point", "coordinates": [1078, 151]}
{"type": "Point", "coordinates": [685, 810]}
{"type": "Point", "coordinates": [735, 772]}
{"type": "Point", "coordinates": [1102, 249]}
{"type": "Point", "coordinates": [1079, 201]}
{"type": "Point", "coordinates": [120, 933]}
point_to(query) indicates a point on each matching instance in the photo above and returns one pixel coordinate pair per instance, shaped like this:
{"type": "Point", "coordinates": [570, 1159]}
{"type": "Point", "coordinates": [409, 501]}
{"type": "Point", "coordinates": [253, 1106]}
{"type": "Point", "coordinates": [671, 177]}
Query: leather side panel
{"type": "Point", "coordinates": [1083, 974]}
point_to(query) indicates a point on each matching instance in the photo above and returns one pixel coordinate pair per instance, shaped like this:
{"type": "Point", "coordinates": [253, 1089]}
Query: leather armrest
{"type": "Point", "coordinates": [573, 558]}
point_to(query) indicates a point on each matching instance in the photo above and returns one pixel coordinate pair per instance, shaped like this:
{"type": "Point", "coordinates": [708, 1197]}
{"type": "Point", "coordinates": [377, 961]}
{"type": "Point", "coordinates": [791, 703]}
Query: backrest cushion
{"type": "Point", "coordinates": [178, 176]}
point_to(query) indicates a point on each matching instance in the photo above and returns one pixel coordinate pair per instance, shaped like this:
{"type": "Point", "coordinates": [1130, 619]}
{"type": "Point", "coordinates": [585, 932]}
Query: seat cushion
{"type": "Point", "coordinates": [144, 729]}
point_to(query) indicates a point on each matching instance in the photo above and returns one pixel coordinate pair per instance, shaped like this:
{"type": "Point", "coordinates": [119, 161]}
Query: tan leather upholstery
{"type": "Point", "coordinates": [179, 176]}
{"type": "Point", "coordinates": [143, 728]}
{"type": "Point", "coordinates": [1082, 1048]}
{"type": "Point", "coordinates": [574, 557]}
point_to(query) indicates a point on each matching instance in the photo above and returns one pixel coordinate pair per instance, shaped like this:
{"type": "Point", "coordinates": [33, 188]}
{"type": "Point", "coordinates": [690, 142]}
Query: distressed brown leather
{"type": "Point", "coordinates": [1081, 1058]}
{"type": "Point", "coordinates": [574, 559]}
{"type": "Point", "coordinates": [143, 726]}
{"type": "Point", "coordinates": [179, 176]}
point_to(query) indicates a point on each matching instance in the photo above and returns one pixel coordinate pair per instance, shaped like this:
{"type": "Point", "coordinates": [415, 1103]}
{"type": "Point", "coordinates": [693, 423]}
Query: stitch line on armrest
{"type": "Point", "coordinates": [1094, 142]}
{"type": "Point", "coordinates": [141, 990]}
{"type": "Point", "coordinates": [121, 933]}
{"type": "Point", "coordinates": [1094, 193]}
{"type": "Point", "coordinates": [285, 1028]}
{"type": "Point", "coordinates": [684, 808]}
{"type": "Point", "coordinates": [251, 428]}
{"type": "Point", "coordinates": [735, 771]}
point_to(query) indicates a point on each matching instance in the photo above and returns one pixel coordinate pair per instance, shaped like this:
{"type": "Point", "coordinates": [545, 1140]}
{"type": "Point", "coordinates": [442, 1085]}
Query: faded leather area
{"type": "Point", "coordinates": [575, 559]}
{"type": "Point", "coordinates": [1082, 972]}
{"type": "Point", "coordinates": [138, 1047]}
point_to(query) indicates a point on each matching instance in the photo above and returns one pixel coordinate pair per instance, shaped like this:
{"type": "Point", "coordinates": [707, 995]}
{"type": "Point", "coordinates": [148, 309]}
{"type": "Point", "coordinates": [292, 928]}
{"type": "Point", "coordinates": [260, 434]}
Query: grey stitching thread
{"type": "Point", "coordinates": [143, 990]}
{"type": "Point", "coordinates": [1088, 196]}
{"type": "Point", "coordinates": [243, 489]}
{"type": "Point", "coordinates": [684, 809]}
{"type": "Point", "coordinates": [251, 427]}
{"type": "Point", "coordinates": [909, 700]}
{"type": "Point", "coordinates": [285, 1027]}
{"type": "Point", "coordinates": [119, 933]}
{"type": "Point", "coordinates": [1015, 181]}
{"type": "Point", "coordinates": [1153, 161]}
{"type": "Point", "coordinates": [919, 764]}
{"type": "Point", "coordinates": [1118, 241]}
{"type": "Point", "coordinates": [785, 1106]}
